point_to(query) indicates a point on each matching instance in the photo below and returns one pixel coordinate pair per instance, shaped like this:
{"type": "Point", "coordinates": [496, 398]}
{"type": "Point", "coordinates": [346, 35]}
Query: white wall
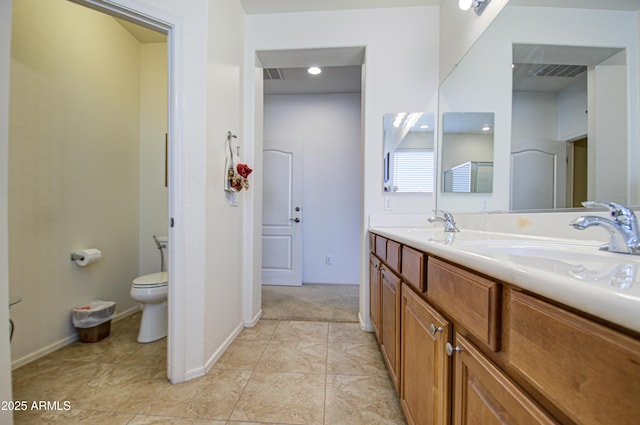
{"type": "Point", "coordinates": [5, 351]}
{"type": "Point", "coordinates": [400, 74]}
{"type": "Point", "coordinates": [467, 147]}
{"type": "Point", "coordinates": [459, 30]}
{"type": "Point", "coordinates": [153, 202]}
{"type": "Point", "coordinates": [222, 302]}
{"type": "Point", "coordinates": [328, 129]}
{"type": "Point", "coordinates": [73, 167]}
{"type": "Point", "coordinates": [572, 106]}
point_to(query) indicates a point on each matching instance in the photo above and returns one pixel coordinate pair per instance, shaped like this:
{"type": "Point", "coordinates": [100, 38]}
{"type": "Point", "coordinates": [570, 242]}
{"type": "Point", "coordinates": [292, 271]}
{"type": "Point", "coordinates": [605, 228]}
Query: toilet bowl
{"type": "Point", "coordinates": [151, 291]}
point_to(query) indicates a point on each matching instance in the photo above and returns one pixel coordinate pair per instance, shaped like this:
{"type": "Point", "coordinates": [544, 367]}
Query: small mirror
{"type": "Point", "coordinates": [408, 158]}
{"type": "Point", "coordinates": [467, 152]}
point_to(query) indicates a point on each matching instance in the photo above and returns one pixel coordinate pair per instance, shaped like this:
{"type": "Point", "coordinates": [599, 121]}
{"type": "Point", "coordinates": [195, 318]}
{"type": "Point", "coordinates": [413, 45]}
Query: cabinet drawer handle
{"type": "Point", "coordinates": [434, 330]}
{"type": "Point", "coordinates": [450, 349]}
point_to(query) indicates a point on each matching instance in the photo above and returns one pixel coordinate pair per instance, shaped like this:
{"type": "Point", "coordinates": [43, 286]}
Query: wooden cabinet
{"type": "Point", "coordinates": [425, 367]}
{"type": "Point", "coordinates": [414, 266]}
{"type": "Point", "coordinates": [394, 256]}
{"type": "Point", "coordinates": [470, 299]}
{"type": "Point", "coordinates": [516, 359]}
{"type": "Point", "coordinates": [374, 294]}
{"type": "Point", "coordinates": [484, 395]}
{"type": "Point", "coordinates": [390, 323]}
{"type": "Point", "coordinates": [590, 372]}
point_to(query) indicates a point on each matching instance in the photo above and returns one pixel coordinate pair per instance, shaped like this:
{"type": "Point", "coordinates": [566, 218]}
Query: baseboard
{"type": "Point", "coordinates": [365, 326]}
{"type": "Point", "coordinates": [201, 371]}
{"type": "Point", "coordinates": [125, 314]}
{"type": "Point", "coordinates": [44, 351]}
{"type": "Point", "coordinates": [254, 321]}
{"type": "Point", "coordinates": [68, 340]}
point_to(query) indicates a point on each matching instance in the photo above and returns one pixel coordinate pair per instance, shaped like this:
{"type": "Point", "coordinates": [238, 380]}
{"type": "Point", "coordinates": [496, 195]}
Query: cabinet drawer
{"type": "Point", "coordinates": [413, 268]}
{"type": "Point", "coordinates": [471, 300]}
{"type": "Point", "coordinates": [381, 247]}
{"type": "Point", "coordinates": [394, 259]}
{"type": "Point", "coordinates": [590, 372]}
{"type": "Point", "coordinates": [372, 242]}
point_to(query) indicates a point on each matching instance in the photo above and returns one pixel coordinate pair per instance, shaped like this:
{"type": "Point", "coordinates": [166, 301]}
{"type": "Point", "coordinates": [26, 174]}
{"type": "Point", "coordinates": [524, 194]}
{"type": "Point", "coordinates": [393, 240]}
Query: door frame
{"type": "Point", "coordinates": [172, 26]}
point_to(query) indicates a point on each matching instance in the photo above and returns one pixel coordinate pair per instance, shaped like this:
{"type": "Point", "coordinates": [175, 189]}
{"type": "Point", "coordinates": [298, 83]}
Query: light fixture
{"type": "Point", "coordinates": [478, 5]}
{"type": "Point", "coordinates": [465, 4]}
{"type": "Point", "coordinates": [486, 128]}
{"type": "Point", "coordinates": [314, 70]}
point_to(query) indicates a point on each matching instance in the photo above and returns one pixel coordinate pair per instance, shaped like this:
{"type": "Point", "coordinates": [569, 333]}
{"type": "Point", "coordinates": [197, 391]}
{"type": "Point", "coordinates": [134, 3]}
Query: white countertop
{"type": "Point", "coordinates": [570, 271]}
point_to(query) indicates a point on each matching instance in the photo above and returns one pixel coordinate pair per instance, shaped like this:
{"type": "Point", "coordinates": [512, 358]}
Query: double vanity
{"type": "Point", "coordinates": [513, 320]}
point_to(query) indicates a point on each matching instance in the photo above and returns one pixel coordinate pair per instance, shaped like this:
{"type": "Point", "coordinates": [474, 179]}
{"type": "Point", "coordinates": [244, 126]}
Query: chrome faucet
{"type": "Point", "coordinates": [447, 221]}
{"type": "Point", "coordinates": [624, 236]}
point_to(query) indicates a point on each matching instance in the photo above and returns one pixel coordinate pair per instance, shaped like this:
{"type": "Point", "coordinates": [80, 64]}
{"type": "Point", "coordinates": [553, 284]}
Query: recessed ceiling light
{"type": "Point", "coordinates": [314, 70]}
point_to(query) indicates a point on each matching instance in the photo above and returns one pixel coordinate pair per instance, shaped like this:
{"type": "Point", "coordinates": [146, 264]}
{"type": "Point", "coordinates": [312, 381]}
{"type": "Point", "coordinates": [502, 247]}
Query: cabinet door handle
{"type": "Point", "coordinates": [450, 349]}
{"type": "Point", "coordinates": [434, 330]}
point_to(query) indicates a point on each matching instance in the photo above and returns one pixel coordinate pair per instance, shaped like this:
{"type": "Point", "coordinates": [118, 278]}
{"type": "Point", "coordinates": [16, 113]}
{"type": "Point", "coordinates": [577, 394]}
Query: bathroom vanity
{"type": "Point", "coordinates": [497, 328]}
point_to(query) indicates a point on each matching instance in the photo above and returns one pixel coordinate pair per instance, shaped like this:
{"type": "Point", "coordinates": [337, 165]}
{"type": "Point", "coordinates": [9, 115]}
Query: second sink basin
{"type": "Point", "coordinates": [579, 261]}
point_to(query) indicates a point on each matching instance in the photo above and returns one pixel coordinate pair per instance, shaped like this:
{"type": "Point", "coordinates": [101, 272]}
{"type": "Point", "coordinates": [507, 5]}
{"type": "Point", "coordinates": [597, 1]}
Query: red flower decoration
{"type": "Point", "coordinates": [244, 170]}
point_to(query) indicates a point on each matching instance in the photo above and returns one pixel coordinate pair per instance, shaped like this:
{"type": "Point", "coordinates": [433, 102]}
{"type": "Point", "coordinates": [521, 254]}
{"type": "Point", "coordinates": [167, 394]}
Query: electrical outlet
{"type": "Point", "coordinates": [328, 260]}
{"type": "Point", "coordinates": [388, 206]}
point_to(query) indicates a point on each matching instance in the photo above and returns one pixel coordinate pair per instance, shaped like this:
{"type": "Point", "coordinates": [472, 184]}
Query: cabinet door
{"type": "Point", "coordinates": [425, 367]}
{"type": "Point", "coordinates": [374, 294]}
{"type": "Point", "coordinates": [483, 395]}
{"type": "Point", "coordinates": [590, 372]}
{"type": "Point", "coordinates": [390, 323]}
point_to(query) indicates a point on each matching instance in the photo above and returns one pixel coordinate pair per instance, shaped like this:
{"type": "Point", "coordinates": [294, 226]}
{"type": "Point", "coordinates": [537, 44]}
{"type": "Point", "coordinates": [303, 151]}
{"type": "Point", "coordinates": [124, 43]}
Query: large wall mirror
{"type": "Point", "coordinates": [408, 154]}
{"type": "Point", "coordinates": [562, 78]}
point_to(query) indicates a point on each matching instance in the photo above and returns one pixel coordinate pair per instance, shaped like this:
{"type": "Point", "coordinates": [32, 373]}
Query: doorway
{"type": "Point", "coordinates": [325, 125]}
{"type": "Point", "coordinates": [97, 160]}
{"type": "Point", "coordinates": [578, 171]}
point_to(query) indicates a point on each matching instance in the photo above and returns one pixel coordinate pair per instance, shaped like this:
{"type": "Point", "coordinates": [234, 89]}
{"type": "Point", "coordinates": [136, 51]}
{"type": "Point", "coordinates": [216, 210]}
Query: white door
{"type": "Point", "coordinates": [282, 216]}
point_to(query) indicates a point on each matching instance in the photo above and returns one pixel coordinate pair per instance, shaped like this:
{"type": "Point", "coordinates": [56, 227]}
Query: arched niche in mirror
{"type": "Point", "coordinates": [467, 152]}
{"type": "Point", "coordinates": [408, 154]}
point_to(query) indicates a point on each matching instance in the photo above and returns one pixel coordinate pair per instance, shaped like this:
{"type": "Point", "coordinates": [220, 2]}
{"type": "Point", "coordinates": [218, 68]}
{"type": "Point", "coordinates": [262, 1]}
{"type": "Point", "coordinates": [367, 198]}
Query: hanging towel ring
{"type": "Point", "coordinates": [229, 137]}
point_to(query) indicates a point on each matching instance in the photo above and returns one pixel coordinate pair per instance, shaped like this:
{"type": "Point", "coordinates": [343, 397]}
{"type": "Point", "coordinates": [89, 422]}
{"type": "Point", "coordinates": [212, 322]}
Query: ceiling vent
{"type": "Point", "coordinates": [272, 74]}
{"type": "Point", "coordinates": [569, 71]}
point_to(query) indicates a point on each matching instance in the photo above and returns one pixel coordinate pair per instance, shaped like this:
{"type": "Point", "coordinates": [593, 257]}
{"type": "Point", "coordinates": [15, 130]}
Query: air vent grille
{"type": "Point", "coordinates": [569, 71]}
{"type": "Point", "coordinates": [272, 74]}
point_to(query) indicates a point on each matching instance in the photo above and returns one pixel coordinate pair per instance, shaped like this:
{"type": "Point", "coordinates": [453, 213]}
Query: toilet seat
{"type": "Point", "coordinates": [152, 280]}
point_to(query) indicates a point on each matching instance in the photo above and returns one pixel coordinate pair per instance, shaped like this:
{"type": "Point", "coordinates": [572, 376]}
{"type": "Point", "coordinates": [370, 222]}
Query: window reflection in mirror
{"type": "Point", "coordinates": [408, 157]}
{"type": "Point", "coordinates": [467, 152]}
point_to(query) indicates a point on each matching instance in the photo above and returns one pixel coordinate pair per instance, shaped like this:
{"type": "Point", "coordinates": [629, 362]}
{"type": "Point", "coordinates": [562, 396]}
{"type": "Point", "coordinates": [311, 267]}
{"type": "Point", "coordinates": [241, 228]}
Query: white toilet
{"type": "Point", "coordinates": [151, 291]}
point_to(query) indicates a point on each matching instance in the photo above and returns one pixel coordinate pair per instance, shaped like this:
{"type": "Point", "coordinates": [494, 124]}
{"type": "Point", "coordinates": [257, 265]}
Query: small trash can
{"type": "Point", "coordinates": [93, 320]}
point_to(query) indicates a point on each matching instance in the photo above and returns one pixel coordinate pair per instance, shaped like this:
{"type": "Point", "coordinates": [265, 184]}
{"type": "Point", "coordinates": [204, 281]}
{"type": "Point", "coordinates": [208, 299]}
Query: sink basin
{"type": "Point", "coordinates": [579, 261]}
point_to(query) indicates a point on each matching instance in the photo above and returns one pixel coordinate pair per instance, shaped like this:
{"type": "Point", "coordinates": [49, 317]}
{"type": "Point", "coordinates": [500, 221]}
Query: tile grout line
{"type": "Point", "coordinates": [326, 374]}
{"type": "Point", "coordinates": [235, 406]}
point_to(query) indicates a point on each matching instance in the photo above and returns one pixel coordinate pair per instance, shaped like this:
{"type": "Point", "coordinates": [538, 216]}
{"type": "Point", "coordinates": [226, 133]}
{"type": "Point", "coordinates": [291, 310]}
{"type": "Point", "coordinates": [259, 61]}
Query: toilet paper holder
{"type": "Point", "coordinates": [75, 256]}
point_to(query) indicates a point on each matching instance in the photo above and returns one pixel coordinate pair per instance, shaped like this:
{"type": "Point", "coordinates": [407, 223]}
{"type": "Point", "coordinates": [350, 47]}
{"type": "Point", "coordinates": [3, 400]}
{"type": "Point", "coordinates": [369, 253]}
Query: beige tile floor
{"type": "Point", "coordinates": [280, 372]}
